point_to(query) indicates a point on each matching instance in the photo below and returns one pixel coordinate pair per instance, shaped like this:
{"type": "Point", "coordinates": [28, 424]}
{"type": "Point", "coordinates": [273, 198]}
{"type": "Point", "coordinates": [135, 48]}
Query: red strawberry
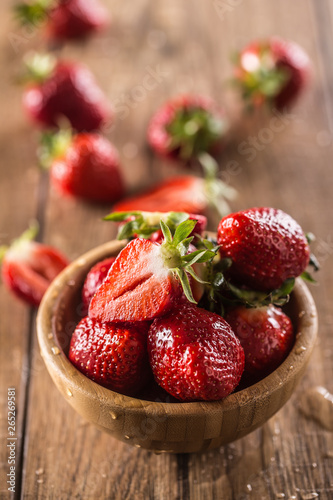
{"type": "Point", "coordinates": [272, 71]}
{"type": "Point", "coordinates": [187, 126]}
{"type": "Point", "coordinates": [194, 354]}
{"type": "Point", "coordinates": [189, 194]}
{"type": "Point", "coordinates": [266, 246]}
{"type": "Point", "coordinates": [86, 166]}
{"type": "Point", "coordinates": [146, 279]}
{"type": "Point", "coordinates": [266, 335]}
{"type": "Point", "coordinates": [94, 279]}
{"type": "Point", "coordinates": [64, 19]}
{"type": "Point", "coordinates": [29, 267]}
{"type": "Point", "coordinates": [114, 356]}
{"type": "Point", "coordinates": [59, 90]}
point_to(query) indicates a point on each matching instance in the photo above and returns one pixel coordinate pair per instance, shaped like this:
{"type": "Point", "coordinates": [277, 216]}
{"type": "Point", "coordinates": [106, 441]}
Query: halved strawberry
{"type": "Point", "coordinates": [29, 267]}
{"type": "Point", "coordinates": [181, 194]}
{"type": "Point", "coordinates": [148, 278]}
{"type": "Point", "coordinates": [58, 90]}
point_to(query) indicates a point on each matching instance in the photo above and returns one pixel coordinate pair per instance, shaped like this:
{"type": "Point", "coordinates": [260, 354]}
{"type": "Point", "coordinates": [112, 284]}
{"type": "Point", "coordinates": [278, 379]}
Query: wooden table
{"type": "Point", "coordinates": [187, 44]}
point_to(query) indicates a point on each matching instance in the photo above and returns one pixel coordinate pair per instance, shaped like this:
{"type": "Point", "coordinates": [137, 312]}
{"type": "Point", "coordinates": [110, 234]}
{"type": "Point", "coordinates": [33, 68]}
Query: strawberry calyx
{"type": "Point", "coordinates": [38, 67]}
{"type": "Point", "coordinates": [194, 130]}
{"type": "Point", "coordinates": [53, 145]}
{"type": "Point", "coordinates": [258, 75]}
{"type": "Point", "coordinates": [33, 12]}
{"type": "Point", "coordinates": [176, 257]}
{"type": "Point", "coordinates": [143, 224]}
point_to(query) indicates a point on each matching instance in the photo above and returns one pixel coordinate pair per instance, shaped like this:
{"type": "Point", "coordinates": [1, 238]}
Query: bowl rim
{"type": "Point", "coordinates": [57, 362]}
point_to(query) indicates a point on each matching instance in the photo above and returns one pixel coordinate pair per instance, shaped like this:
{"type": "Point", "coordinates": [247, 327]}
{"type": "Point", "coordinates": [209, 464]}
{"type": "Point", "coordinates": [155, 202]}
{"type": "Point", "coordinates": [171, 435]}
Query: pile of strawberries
{"type": "Point", "coordinates": [194, 313]}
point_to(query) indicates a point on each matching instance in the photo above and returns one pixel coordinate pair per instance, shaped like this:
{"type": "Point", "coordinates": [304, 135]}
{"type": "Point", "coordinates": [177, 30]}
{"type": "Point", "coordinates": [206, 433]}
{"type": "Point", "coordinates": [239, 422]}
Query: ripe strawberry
{"type": "Point", "coordinates": [273, 71]}
{"type": "Point", "coordinates": [266, 246]}
{"type": "Point", "coordinates": [266, 335]}
{"type": "Point", "coordinates": [180, 194]}
{"type": "Point", "coordinates": [114, 356]}
{"type": "Point", "coordinates": [29, 267]}
{"type": "Point", "coordinates": [58, 90]}
{"type": "Point", "coordinates": [148, 278]}
{"type": "Point", "coordinates": [64, 19]}
{"type": "Point", "coordinates": [187, 126]}
{"type": "Point", "coordinates": [85, 165]}
{"type": "Point", "coordinates": [94, 279]}
{"type": "Point", "coordinates": [194, 354]}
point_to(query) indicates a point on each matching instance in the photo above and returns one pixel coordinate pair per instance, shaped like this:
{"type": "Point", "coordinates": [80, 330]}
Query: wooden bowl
{"type": "Point", "coordinates": [168, 427]}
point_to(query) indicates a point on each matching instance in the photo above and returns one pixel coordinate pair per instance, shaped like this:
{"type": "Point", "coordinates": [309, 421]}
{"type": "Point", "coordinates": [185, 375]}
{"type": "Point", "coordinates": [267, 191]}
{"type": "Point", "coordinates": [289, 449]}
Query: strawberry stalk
{"type": "Point", "coordinates": [217, 192]}
{"type": "Point", "coordinates": [53, 145]}
{"type": "Point", "coordinates": [38, 67]}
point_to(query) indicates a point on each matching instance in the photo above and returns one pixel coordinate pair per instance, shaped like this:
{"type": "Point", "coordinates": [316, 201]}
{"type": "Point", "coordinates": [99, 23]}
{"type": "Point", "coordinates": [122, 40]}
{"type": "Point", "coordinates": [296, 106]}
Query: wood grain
{"type": "Point", "coordinates": [63, 458]}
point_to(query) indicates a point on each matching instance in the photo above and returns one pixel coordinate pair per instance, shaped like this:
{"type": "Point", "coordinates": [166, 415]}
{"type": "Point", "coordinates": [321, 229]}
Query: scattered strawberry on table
{"type": "Point", "coordinates": [58, 90]}
{"type": "Point", "coordinates": [62, 20]}
{"type": "Point", "coordinates": [85, 165]}
{"type": "Point", "coordinates": [28, 267]}
{"type": "Point", "coordinates": [197, 348]}
{"type": "Point", "coordinates": [186, 126]}
{"type": "Point", "coordinates": [271, 72]}
{"type": "Point", "coordinates": [185, 193]}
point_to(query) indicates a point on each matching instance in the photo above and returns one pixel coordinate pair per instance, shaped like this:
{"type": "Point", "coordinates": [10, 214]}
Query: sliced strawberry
{"type": "Point", "coordinates": [147, 278]}
{"type": "Point", "coordinates": [114, 356]}
{"type": "Point", "coordinates": [29, 267]}
{"type": "Point", "coordinates": [266, 335]}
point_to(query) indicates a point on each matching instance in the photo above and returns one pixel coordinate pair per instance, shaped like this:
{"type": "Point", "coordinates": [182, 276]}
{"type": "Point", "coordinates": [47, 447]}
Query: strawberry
{"type": "Point", "coordinates": [187, 126]}
{"type": "Point", "coordinates": [94, 279]}
{"type": "Point", "coordinates": [266, 246]}
{"type": "Point", "coordinates": [181, 194]}
{"type": "Point", "coordinates": [61, 89]}
{"type": "Point", "coordinates": [147, 279]}
{"type": "Point", "coordinates": [64, 19]}
{"type": "Point", "coordinates": [273, 72]}
{"type": "Point", "coordinates": [29, 267]}
{"type": "Point", "coordinates": [266, 335]}
{"type": "Point", "coordinates": [85, 165]}
{"type": "Point", "coordinates": [114, 356]}
{"type": "Point", "coordinates": [194, 354]}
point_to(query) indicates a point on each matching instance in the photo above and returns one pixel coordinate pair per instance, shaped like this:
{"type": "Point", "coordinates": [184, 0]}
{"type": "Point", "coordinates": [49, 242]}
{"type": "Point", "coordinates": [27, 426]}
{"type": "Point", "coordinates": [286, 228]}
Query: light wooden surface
{"type": "Point", "coordinates": [59, 456]}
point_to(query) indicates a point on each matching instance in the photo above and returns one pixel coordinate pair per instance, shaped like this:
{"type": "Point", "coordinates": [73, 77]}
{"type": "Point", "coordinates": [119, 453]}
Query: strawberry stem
{"type": "Point", "coordinates": [53, 145]}
{"type": "Point", "coordinates": [38, 67]}
{"type": "Point", "coordinates": [217, 192]}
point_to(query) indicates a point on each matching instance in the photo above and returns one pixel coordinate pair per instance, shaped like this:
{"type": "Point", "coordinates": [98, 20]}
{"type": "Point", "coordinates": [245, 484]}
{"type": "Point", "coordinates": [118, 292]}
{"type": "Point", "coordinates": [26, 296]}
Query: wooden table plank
{"type": "Point", "coordinates": [291, 455]}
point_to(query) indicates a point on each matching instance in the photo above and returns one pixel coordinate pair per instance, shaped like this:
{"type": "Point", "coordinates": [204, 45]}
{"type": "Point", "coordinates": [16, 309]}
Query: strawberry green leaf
{"type": "Point", "coordinates": [307, 277]}
{"type": "Point", "coordinates": [120, 216]}
{"type": "Point", "coordinates": [194, 275]}
{"type": "Point", "coordinates": [183, 278]}
{"type": "Point", "coordinates": [183, 231]}
{"type": "Point", "coordinates": [166, 232]}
